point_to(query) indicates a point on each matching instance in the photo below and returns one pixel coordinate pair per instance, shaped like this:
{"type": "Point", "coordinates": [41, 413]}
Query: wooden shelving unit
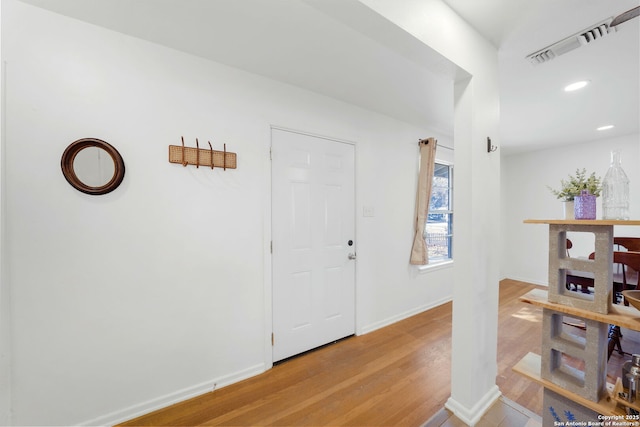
{"type": "Point", "coordinates": [529, 367]}
{"type": "Point", "coordinates": [623, 316]}
{"type": "Point", "coordinates": [602, 312]}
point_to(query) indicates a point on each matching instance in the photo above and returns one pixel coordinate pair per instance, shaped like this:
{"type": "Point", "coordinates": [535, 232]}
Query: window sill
{"type": "Point", "coordinates": [436, 266]}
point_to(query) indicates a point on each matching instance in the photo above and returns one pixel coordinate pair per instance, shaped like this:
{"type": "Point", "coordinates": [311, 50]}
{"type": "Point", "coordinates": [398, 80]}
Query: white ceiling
{"type": "Point", "coordinates": [344, 50]}
{"type": "Point", "coordinates": [535, 110]}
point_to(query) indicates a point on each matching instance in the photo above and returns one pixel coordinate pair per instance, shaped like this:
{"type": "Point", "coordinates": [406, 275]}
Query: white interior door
{"type": "Point", "coordinates": [313, 249]}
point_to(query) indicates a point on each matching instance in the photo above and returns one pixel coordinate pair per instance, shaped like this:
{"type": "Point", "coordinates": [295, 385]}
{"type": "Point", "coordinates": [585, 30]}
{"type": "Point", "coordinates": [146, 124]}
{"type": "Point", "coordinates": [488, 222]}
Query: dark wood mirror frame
{"type": "Point", "coordinates": [69, 173]}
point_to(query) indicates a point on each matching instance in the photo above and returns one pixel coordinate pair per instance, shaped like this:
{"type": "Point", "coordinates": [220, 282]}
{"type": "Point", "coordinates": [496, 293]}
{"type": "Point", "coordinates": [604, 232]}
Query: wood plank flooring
{"type": "Point", "coordinates": [395, 376]}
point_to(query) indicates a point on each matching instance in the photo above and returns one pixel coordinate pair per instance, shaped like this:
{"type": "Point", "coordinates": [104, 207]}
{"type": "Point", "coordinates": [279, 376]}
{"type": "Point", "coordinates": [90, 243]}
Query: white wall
{"type": "Point", "coordinates": [525, 195]}
{"type": "Point", "coordinates": [477, 196]}
{"type": "Point", "coordinates": [5, 351]}
{"type": "Point", "coordinates": [126, 302]}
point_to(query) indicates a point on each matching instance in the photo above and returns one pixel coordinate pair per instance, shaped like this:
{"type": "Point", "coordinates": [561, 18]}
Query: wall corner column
{"type": "Point", "coordinates": [476, 271]}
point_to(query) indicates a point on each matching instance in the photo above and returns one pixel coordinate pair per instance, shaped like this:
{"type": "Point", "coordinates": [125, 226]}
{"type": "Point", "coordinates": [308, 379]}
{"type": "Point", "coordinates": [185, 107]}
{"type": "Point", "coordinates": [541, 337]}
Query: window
{"type": "Point", "coordinates": [438, 231]}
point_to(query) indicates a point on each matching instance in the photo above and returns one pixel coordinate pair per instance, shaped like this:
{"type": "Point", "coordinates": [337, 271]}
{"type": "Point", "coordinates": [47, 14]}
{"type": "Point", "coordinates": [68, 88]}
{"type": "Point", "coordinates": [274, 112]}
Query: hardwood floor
{"type": "Point", "coordinates": [398, 375]}
{"type": "Point", "coordinates": [519, 332]}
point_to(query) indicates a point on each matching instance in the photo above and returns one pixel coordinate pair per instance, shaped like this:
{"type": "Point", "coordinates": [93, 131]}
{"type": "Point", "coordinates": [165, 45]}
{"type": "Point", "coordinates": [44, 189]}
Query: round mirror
{"type": "Point", "coordinates": [92, 166]}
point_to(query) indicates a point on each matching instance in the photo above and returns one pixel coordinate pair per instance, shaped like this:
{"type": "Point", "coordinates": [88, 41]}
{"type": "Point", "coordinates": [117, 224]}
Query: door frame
{"type": "Point", "coordinates": [268, 236]}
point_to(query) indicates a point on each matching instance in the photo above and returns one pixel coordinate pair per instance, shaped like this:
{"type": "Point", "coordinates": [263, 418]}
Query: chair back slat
{"type": "Point", "coordinates": [629, 243]}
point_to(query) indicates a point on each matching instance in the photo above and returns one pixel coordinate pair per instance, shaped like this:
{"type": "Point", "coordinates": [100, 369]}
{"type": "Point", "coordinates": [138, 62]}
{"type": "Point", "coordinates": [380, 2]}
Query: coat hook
{"type": "Point", "coordinates": [184, 159]}
{"type": "Point", "coordinates": [181, 154]}
{"type": "Point", "coordinates": [490, 147]}
{"type": "Point", "coordinates": [211, 148]}
{"type": "Point", "coordinates": [197, 154]}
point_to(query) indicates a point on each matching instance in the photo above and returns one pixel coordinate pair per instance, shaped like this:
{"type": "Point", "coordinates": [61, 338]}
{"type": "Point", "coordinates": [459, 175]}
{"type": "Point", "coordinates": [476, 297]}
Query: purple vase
{"type": "Point", "coordinates": [585, 205]}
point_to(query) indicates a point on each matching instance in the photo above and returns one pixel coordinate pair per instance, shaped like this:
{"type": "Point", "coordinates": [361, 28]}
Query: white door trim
{"type": "Point", "coordinates": [315, 135]}
{"type": "Point", "coordinates": [268, 235]}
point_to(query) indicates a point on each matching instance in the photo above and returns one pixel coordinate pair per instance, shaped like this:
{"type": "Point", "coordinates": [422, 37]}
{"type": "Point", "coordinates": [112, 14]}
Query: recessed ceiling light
{"type": "Point", "coordinates": [576, 86]}
{"type": "Point", "coordinates": [605, 127]}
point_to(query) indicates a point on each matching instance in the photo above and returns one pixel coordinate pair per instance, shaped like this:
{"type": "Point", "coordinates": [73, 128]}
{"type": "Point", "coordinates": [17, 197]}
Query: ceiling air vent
{"type": "Point", "coordinates": [570, 43]}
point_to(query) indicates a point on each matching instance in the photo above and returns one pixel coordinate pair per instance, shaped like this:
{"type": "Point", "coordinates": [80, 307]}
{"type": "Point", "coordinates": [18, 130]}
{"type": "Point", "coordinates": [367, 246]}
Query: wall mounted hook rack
{"type": "Point", "coordinates": [202, 156]}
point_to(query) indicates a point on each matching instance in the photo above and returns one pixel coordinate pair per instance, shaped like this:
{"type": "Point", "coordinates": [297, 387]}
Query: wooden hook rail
{"type": "Point", "coordinates": [202, 156]}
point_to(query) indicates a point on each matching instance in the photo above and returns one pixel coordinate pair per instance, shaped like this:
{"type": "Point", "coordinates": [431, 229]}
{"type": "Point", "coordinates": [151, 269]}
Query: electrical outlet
{"type": "Point", "coordinates": [368, 211]}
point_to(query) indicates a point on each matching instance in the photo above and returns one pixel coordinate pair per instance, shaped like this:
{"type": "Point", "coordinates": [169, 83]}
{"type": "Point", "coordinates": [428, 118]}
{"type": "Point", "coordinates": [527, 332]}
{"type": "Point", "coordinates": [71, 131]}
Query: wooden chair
{"type": "Point", "coordinates": [627, 279]}
{"type": "Point", "coordinates": [627, 276]}
{"type": "Point", "coordinates": [628, 243]}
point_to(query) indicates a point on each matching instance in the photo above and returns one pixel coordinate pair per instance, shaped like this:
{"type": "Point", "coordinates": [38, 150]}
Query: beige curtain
{"type": "Point", "coordinates": [419, 255]}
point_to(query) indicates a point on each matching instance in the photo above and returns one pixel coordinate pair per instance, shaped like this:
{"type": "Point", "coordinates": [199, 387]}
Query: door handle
{"type": "Point", "coordinates": [351, 256]}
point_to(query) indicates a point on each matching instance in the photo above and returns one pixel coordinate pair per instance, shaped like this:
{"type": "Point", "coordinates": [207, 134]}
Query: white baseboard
{"type": "Point", "coordinates": [143, 408]}
{"type": "Point", "coordinates": [471, 416]}
{"type": "Point", "coordinates": [391, 320]}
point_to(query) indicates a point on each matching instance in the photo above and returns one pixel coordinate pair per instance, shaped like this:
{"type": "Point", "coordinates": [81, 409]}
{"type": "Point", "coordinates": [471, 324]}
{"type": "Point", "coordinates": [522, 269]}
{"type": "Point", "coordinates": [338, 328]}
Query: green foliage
{"type": "Point", "coordinates": [576, 183]}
